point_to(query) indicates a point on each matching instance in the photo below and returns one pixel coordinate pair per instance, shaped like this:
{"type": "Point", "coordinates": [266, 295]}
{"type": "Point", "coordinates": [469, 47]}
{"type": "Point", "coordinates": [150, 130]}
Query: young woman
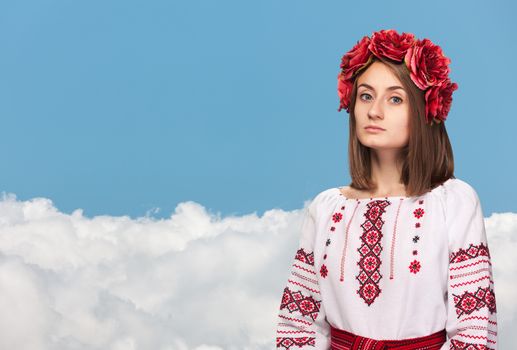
{"type": "Point", "coordinates": [399, 258]}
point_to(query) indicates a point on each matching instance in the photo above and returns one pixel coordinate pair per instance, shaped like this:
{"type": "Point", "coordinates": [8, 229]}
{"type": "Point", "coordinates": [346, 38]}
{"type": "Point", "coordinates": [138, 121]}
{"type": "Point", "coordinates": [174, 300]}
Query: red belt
{"type": "Point", "coordinates": [343, 340]}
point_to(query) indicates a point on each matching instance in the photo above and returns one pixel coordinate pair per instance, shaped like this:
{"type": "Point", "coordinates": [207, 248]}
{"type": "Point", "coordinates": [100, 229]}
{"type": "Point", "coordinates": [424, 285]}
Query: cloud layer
{"type": "Point", "coordinates": [191, 281]}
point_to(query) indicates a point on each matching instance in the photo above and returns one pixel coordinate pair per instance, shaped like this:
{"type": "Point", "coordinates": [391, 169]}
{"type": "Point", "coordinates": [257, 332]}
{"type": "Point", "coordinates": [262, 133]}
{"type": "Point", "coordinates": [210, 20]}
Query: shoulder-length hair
{"type": "Point", "coordinates": [427, 159]}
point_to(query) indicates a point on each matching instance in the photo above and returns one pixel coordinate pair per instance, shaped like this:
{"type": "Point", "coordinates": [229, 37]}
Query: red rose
{"type": "Point", "coordinates": [354, 59]}
{"type": "Point", "coordinates": [390, 44]}
{"type": "Point", "coordinates": [438, 101]}
{"type": "Point", "coordinates": [427, 64]}
{"type": "Point", "coordinates": [344, 90]}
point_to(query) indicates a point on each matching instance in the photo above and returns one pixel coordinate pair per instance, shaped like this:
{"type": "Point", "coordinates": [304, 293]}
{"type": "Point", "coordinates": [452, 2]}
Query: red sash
{"type": "Point", "coordinates": [343, 340]}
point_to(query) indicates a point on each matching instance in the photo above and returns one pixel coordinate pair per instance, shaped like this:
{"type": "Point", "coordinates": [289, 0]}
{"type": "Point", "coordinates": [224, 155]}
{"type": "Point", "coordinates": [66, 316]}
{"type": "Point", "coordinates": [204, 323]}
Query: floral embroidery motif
{"type": "Point", "coordinates": [370, 250]}
{"type": "Point", "coordinates": [299, 342]}
{"type": "Point", "coordinates": [305, 257]}
{"type": "Point", "coordinates": [468, 302]}
{"type": "Point", "coordinates": [337, 217]}
{"type": "Point", "coordinates": [417, 225]}
{"type": "Point", "coordinates": [416, 238]}
{"type": "Point", "coordinates": [323, 271]}
{"type": "Point", "coordinates": [473, 251]}
{"type": "Point", "coordinates": [414, 266]}
{"type": "Point", "coordinates": [419, 212]}
{"type": "Point", "coordinates": [332, 229]}
{"type": "Point", "coordinates": [299, 303]}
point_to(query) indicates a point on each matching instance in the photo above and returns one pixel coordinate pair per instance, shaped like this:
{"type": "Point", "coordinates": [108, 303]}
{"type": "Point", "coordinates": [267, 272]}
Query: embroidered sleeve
{"type": "Point", "coordinates": [471, 312]}
{"type": "Point", "coordinates": [301, 319]}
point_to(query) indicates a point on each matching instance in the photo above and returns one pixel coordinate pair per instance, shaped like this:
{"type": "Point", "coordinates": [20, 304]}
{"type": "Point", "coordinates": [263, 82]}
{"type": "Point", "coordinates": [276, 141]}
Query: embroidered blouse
{"type": "Point", "coordinates": [391, 268]}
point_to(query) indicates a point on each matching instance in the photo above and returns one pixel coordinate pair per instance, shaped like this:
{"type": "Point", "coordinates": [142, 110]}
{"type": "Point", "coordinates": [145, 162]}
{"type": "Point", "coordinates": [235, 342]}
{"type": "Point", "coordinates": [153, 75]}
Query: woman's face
{"type": "Point", "coordinates": [379, 103]}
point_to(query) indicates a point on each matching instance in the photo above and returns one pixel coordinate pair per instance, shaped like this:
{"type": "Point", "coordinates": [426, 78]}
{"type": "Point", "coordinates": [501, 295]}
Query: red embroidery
{"type": "Point", "coordinates": [468, 302]}
{"type": "Point", "coordinates": [459, 345]}
{"type": "Point", "coordinates": [421, 201]}
{"type": "Point", "coordinates": [332, 229]}
{"type": "Point", "coordinates": [419, 212]}
{"type": "Point", "coordinates": [286, 343]}
{"type": "Point", "coordinates": [325, 256]}
{"type": "Point", "coordinates": [337, 217]}
{"type": "Point", "coordinates": [323, 271]}
{"type": "Point", "coordinates": [473, 251]}
{"type": "Point", "coordinates": [370, 250]}
{"type": "Point", "coordinates": [414, 266]}
{"type": "Point", "coordinates": [415, 252]}
{"type": "Point", "coordinates": [417, 225]}
{"type": "Point", "coordinates": [297, 302]}
{"type": "Point", "coordinates": [305, 257]}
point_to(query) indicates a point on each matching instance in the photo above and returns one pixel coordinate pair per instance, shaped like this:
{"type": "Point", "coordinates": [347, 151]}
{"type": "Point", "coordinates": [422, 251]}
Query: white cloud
{"type": "Point", "coordinates": [191, 281]}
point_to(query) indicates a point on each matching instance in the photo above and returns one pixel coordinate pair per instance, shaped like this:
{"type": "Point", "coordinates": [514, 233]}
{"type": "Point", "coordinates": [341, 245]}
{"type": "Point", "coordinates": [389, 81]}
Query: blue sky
{"type": "Point", "coordinates": [121, 107]}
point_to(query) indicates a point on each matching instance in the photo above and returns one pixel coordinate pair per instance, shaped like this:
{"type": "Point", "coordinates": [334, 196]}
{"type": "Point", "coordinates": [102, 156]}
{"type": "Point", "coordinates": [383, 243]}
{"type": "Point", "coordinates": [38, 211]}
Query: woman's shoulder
{"type": "Point", "coordinates": [323, 198]}
{"type": "Point", "coordinates": [459, 191]}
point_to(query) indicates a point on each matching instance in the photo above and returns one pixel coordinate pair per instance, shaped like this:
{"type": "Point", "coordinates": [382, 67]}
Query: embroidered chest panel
{"type": "Point", "coordinates": [371, 231]}
{"type": "Point", "coordinates": [369, 259]}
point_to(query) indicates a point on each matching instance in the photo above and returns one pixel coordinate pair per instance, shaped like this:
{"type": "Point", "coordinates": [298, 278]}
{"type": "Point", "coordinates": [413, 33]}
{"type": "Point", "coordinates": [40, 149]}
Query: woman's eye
{"type": "Point", "coordinates": [360, 96]}
{"type": "Point", "coordinates": [398, 99]}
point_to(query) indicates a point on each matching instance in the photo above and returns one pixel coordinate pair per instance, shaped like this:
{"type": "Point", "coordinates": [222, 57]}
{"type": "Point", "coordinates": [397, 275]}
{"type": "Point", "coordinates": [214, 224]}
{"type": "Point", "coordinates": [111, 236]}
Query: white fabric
{"type": "Point", "coordinates": [409, 304]}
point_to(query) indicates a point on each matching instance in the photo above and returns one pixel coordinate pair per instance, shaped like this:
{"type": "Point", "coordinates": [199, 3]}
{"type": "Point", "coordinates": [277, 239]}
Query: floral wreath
{"type": "Point", "coordinates": [428, 69]}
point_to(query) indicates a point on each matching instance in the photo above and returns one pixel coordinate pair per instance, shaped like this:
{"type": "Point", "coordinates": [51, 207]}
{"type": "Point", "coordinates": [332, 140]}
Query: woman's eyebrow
{"type": "Point", "coordinates": [390, 88]}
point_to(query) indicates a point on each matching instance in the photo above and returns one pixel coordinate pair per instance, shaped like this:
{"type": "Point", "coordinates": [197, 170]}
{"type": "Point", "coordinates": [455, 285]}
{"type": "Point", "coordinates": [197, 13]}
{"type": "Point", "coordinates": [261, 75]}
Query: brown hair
{"type": "Point", "coordinates": [427, 159]}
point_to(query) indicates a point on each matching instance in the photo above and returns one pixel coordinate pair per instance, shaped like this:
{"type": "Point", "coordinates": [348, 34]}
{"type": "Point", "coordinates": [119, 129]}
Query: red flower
{"type": "Point", "coordinates": [427, 64]}
{"type": "Point", "coordinates": [344, 91]}
{"type": "Point", "coordinates": [323, 271]}
{"type": "Point", "coordinates": [390, 44]}
{"type": "Point", "coordinates": [414, 266]}
{"type": "Point", "coordinates": [351, 63]}
{"type": "Point", "coordinates": [355, 59]}
{"type": "Point", "coordinates": [337, 217]}
{"type": "Point", "coordinates": [438, 101]}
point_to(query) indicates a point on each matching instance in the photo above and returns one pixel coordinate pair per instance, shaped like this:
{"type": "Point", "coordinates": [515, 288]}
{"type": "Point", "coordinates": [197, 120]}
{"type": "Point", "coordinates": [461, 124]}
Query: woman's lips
{"type": "Point", "coordinates": [374, 129]}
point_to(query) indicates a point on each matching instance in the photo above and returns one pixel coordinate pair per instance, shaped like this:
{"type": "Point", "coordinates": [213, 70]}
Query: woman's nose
{"type": "Point", "coordinates": [375, 110]}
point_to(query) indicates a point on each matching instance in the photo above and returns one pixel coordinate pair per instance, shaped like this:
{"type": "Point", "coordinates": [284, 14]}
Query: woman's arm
{"type": "Point", "coordinates": [471, 320]}
{"type": "Point", "coordinates": [301, 318]}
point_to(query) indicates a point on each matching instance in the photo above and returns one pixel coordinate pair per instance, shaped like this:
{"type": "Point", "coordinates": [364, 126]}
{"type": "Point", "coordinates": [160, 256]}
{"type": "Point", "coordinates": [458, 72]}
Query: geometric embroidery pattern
{"type": "Point", "coordinates": [473, 251]}
{"type": "Point", "coordinates": [370, 250]}
{"type": "Point", "coordinates": [459, 345]}
{"type": "Point", "coordinates": [289, 342]}
{"type": "Point", "coordinates": [297, 302]}
{"type": "Point", "coordinates": [305, 257]}
{"type": "Point", "coordinates": [468, 302]}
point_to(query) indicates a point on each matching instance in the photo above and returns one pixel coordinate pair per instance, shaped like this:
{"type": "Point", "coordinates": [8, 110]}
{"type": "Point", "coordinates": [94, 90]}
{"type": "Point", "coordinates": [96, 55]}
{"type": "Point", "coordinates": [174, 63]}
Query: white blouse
{"type": "Point", "coordinates": [391, 268]}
